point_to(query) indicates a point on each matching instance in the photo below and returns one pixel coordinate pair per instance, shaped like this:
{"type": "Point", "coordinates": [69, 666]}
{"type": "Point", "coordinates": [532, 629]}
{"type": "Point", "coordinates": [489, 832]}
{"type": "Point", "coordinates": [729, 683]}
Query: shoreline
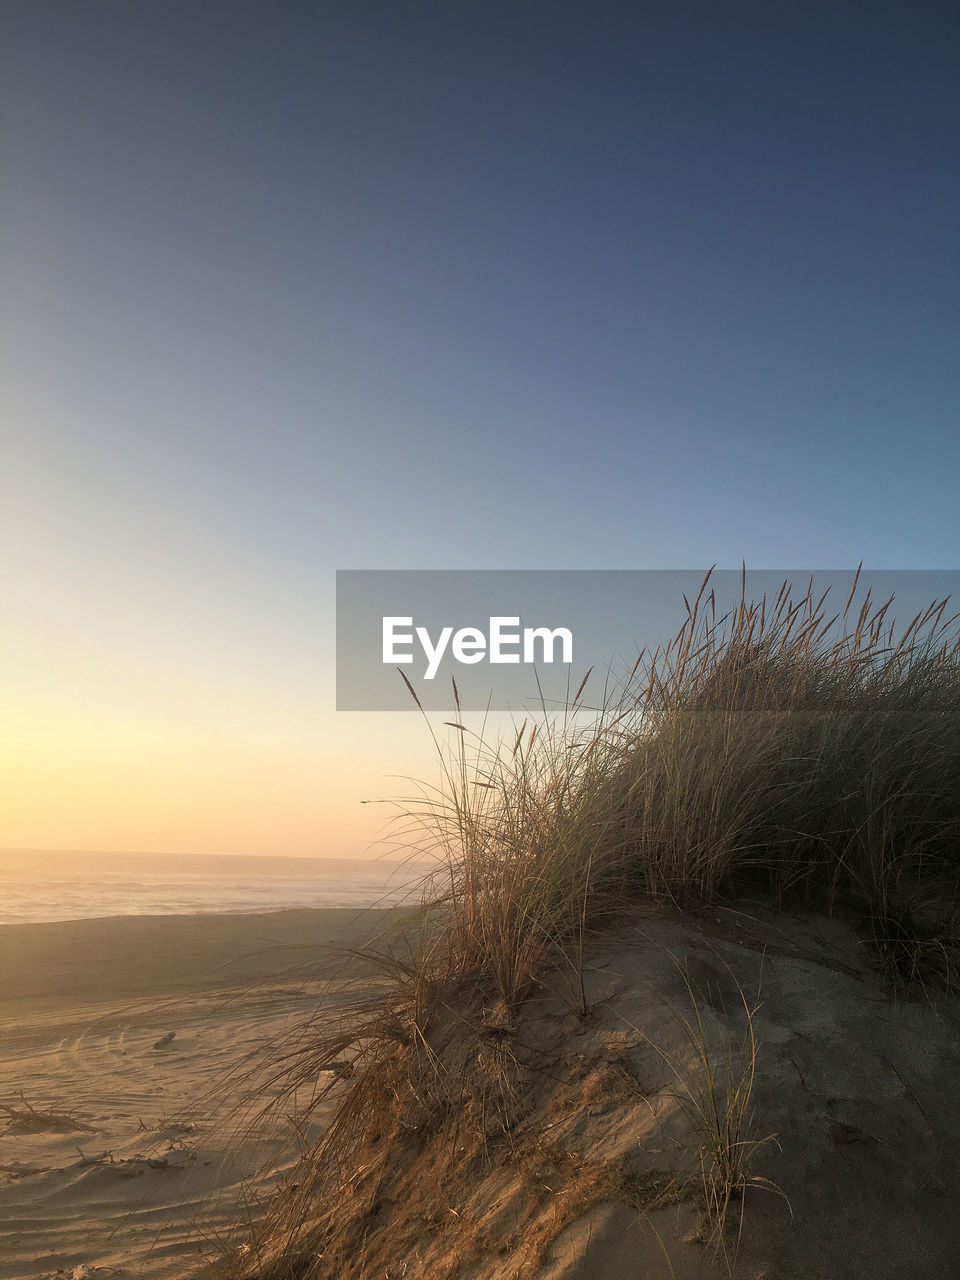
{"type": "Point", "coordinates": [105, 958]}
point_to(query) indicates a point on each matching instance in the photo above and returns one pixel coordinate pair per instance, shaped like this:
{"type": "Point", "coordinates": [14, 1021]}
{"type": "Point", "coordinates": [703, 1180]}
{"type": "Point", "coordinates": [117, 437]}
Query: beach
{"type": "Point", "coordinates": [124, 1044]}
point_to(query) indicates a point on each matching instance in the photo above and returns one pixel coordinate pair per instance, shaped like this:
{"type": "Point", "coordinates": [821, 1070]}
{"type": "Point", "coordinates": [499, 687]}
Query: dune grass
{"type": "Point", "coordinates": [811, 754]}
{"type": "Point", "coordinates": [780, 749]}
{"type": "Point", "coordinates": [714, 1083]}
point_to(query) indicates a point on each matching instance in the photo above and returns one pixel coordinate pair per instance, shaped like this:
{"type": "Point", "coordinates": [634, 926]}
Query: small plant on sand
{"type": "Point", "coordinates": [714, 1089]}
{"type": "Point", "coordinates": [27, 1118]}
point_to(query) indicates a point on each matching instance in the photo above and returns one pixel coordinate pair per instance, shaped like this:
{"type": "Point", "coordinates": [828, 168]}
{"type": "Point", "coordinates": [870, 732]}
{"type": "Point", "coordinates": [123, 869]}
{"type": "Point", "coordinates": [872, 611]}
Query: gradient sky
{"type": "Point", "coordinates": [293, 287]}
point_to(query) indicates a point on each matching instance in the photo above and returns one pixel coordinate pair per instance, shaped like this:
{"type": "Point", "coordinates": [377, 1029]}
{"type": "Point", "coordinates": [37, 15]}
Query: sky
{"type": "Point", "coordinates": [297, 287]}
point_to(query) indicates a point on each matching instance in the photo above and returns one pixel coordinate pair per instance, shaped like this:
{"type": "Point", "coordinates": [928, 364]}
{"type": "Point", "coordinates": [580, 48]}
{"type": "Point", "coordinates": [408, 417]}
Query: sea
{"type": "Point", "coordinates": [40, 886]}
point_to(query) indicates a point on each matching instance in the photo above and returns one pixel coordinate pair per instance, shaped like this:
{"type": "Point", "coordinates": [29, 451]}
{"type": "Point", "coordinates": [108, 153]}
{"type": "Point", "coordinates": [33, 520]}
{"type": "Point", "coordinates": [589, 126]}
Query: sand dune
{"type": "Point", "coordinates": [568, 1140]}
{"type": "Point", "coordinates": [116, 1147]}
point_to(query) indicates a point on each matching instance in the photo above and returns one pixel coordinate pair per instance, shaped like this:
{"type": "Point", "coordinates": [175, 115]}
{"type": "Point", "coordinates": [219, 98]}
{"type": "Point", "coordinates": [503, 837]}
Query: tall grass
{"type": "Point", "coordinates": [810, 755]}
{"type": "Point", "coordinates": [814, 754]}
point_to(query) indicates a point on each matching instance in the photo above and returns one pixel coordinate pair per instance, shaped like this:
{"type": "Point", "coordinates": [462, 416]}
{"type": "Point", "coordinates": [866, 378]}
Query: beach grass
{"type": "Point", "coordinates": [783, 750]}
{"type": "Point", "coordinates": [714, 1087]}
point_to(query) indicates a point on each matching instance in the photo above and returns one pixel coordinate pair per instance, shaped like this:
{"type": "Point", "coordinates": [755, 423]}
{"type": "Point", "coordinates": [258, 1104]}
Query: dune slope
{"type": "Point", "coordinates": [566, 1145]}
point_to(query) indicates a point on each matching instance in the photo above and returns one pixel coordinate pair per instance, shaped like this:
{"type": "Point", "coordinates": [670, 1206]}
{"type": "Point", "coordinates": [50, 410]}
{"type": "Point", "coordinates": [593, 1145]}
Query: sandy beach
{"type": "Point", "coordinates": [117, 1149]}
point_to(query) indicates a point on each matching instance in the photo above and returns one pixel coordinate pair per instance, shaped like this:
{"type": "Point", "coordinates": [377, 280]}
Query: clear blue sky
{"type": "Point", "coordinates": [292, 287]}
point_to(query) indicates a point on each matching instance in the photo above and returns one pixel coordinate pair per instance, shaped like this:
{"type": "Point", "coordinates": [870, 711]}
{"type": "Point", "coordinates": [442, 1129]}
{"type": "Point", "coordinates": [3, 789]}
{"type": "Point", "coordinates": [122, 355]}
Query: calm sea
{"type": "Point", "coordinates": [73, 886]}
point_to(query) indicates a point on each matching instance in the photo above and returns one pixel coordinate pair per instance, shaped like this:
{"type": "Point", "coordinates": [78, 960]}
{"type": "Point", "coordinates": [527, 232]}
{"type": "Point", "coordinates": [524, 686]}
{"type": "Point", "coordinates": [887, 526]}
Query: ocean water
{"type": "Point", "coordinates": [37, 886]}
